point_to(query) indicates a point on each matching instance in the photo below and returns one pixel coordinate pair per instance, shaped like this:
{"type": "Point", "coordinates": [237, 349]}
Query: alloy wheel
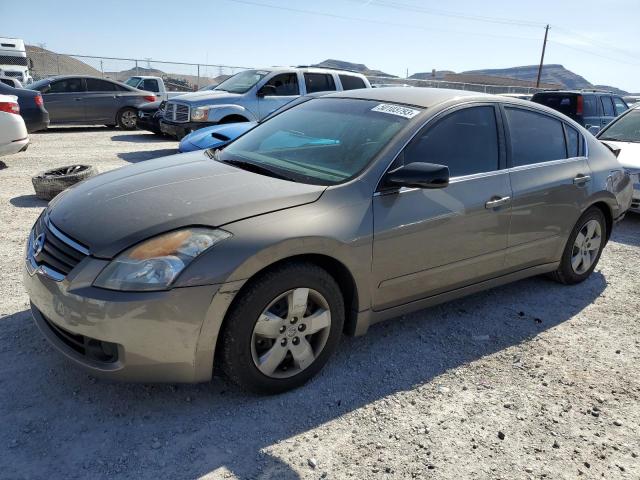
{"type": "Point", "coordinates": [290, 333]}
{"type": "Point", "coordinates": [586, 247]}
{"type": "Point", "coordinates": [129, 118]}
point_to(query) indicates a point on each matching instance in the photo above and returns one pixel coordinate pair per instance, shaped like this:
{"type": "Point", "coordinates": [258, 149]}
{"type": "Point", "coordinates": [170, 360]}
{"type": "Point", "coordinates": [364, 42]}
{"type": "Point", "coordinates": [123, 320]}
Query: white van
{"type": "Point", "coordinates": [13, 60]}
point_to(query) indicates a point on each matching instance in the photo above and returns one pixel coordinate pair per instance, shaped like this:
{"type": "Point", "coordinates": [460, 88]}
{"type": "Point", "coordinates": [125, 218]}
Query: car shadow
{"type": "Point", "coordinates": [189, 431]}
{"type": "Point", "coordinates": [626, 231]}
{"type": "Point", "coordinates": [74, 129]}
{"type": "Point", "coordinates": [28, 201]}
{"type": "Point", "coordinates": [143, 155]}
{"type": "Point", "coordinates": [141, 137]}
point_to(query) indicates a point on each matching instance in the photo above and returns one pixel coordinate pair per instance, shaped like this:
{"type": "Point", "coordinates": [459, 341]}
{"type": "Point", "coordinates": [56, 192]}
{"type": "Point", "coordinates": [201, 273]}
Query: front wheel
{"type": "Point", "coordinates": [283, 328]}
{"type": "Point", "coordinates": [127, 118]}
{"type": "Point", "coordinates": [583, 249]}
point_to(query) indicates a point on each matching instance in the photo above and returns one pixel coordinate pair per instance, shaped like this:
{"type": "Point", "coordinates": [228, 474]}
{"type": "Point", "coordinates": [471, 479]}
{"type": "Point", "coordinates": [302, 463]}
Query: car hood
{"type": "Point", "coordinates": [210, 136]}
{"type": "Point", "coordinates": [629, 156]}
{"type": "Point", "coordinates": [110, 212]}
{"type": "Point", "coordinates": [205, 97]}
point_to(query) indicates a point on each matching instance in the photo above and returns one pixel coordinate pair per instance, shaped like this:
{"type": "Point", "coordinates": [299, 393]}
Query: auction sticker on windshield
{"type": "Point", "coordinates": [396, 110]}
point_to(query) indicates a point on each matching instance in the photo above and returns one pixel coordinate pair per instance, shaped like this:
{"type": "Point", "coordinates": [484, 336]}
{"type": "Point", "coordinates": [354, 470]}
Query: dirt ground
{"type": "Point", "coordinates": [532, 380]}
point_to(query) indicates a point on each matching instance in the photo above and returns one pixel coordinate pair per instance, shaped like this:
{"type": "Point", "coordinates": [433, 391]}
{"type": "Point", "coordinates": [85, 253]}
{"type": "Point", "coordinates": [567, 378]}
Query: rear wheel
{"type": "Point", "coordinates": [283, 328]}
{"type": "Point", "coordinates": [127, 118]}
{"type": "Point", "coordinates": [583, 249]}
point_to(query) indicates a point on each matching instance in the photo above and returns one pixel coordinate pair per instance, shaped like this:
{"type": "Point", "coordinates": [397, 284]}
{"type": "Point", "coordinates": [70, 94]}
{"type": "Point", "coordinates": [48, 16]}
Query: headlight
{"type": "Point", "coordinates": [154, 264]}
{"type": "Point", "coordinates": [199, 114]}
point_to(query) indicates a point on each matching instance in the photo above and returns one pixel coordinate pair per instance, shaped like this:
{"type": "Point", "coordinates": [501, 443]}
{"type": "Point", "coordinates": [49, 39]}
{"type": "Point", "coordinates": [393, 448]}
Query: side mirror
{"type": "Point", "coordinates": [594, 129]}
{"type": "Point", "coordinates": [418, 175]}
{"type": "Point", "coordinates": [45, 88]}
{"type": "Point", "coordinates": [267, 90]}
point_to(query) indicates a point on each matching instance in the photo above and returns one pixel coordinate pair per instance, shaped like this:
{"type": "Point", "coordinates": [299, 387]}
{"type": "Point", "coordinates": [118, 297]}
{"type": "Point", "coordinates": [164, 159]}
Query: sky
{"type": "Point", "coordinates": [598, 40]}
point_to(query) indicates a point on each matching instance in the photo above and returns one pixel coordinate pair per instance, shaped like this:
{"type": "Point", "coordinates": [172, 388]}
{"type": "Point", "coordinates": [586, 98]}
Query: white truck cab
{"type": "Point", "coordinates": [13, 60]}
{"type": "Point", "coordinates": [152, 84]}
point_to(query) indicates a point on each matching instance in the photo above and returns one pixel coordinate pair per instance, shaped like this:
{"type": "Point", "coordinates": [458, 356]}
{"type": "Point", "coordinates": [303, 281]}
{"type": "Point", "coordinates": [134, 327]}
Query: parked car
{"type": "Point", "coordinates": [32, 108]}
{"type": "Point", "coordinates": [251, 95]}
{"type": "Point", "coordinates": [91, 100]}
{"type": "Point", "coordinates": [12, 82]}
{"type": "Point", "coordinates": [624, 133]}
{"type": "Point", "coordinates": [261, 255]}
{"type": "Point", "coordinates": [154, 85]}
{"type": "Point", "coordinates": [149, 115]}
{"type": "Point", "coordinates": [590, 108]}
{"type": "Point", "coordinates": [13, 132]}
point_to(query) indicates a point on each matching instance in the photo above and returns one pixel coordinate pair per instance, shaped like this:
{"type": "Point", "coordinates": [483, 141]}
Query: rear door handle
{"type": "Point", "coordinates": [77, 99]}
{"type": "Point", "coordinates": [496, 202]}
{"type": "Point", "coordinates": [581, 179]}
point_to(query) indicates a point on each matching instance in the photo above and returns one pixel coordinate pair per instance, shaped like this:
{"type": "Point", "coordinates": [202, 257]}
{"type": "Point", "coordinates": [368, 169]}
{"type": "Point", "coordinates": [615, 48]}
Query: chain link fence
{"type": "Point", "coordinates": [177, 76]}
{"type": "Point", "coordinates": [182, 76]}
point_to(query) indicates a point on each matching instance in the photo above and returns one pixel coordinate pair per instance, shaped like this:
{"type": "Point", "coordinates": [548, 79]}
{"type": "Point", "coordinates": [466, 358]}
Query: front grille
{"type": "Point", "coordinates": [176, 112]}
{"type": "Point", "coordinates": [13, 74]}
{"type": "Point", "coordinates": [53, 249]}
{"type": "Point", "coordinates": [98, 350]}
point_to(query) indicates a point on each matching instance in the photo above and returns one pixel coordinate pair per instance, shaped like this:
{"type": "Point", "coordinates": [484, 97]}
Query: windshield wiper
{"type": "Point", "coordinates": [256, 168]}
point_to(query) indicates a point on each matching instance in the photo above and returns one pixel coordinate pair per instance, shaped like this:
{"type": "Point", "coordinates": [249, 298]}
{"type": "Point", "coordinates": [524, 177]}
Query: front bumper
{"type": "Point", "coordinates": [635, 200]}
{"type": "Point", "coordinates": [179, 130]}
{"type": "Point", "coordinates": [165, 336]}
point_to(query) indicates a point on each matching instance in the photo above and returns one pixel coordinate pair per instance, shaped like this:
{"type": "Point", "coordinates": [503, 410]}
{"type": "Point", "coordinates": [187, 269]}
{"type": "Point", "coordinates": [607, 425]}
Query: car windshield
{"type": "Point", "coordinates": [133, 81]}
{"type": "Point", "coordinates": [324, 141]}
{"type": "Point", "coordinates": [37, 85]}
{"type": "Point", "coordinates": [242, 82]}
{"type": "Point", "coordinates": [627, 129]}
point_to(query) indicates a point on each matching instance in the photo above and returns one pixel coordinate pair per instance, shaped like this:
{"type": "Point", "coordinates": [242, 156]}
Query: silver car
{"type": "Point", "coordinates": [333, 215]}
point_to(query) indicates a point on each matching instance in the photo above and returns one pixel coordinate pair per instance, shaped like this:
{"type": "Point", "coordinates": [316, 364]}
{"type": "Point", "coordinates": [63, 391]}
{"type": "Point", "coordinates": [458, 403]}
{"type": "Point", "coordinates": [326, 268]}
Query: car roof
{"type": "Point", "coordinates": [579, 92]}
{"type": "Point", "coordinates": [422, 97]}
{"type": "Point", "coordinates": [311, 70]}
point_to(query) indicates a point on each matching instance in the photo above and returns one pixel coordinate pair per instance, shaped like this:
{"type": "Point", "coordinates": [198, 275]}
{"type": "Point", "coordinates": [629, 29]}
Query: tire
{"type": "Point", "coordinates": [127, 118]}
{"type": "Point", "coordinates": [50, 183]}
{"type": "Point", "coordinates": [572, 270]}
{"type": "Point", "coordinates": [240, 340]}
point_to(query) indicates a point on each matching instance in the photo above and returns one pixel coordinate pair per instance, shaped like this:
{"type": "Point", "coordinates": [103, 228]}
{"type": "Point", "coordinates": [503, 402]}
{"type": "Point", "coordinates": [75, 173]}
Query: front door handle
{"type": "Point", "coordinates": [496, 202]}
{"type": "Point", "coordinates": [581, 179]}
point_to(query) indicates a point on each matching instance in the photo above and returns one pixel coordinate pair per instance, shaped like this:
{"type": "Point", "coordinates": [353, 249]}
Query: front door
{"type": "Point", "coordinates": [276, 92]}
{"type": "Point", "coordinates": [64, 100]}
{"type": "Point", "coordinates": [430, 241]}
{"type": "Point", "coordinates": [549, 177]}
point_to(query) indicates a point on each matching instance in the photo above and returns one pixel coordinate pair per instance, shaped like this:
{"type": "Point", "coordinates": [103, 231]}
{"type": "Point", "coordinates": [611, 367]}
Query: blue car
{"type": "Point", "coordinates": [215, 136]}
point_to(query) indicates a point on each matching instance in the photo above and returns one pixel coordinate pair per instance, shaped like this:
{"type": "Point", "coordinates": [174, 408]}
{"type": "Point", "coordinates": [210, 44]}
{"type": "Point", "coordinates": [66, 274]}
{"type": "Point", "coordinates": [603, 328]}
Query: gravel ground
{"type": "Point", "coordinates": [532, 380]}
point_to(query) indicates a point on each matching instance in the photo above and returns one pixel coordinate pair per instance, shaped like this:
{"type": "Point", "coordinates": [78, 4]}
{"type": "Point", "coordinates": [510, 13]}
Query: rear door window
{"type": "Point", "coordinates": [319, 82]}
{"type": "Point", "coordinates": [97, 85]}
{"type": "Point", "coordinates": [466, 141]}
{"type": "Point", "coordinates": [67, 85]}
{"type": "Point", "coordinates": [573, 141]}
{"type": "Point", "coordinates": [349, 82]}
{"type": "Point", "coordinates": [607, 106]}
{"type": "Point", "coordinates": [621, 107]}
{"type": "Point", "coordinates": [534, 137]}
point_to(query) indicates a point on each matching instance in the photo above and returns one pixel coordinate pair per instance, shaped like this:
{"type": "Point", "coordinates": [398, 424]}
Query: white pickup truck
{"type": "Point", "coordinates": [153, 84]}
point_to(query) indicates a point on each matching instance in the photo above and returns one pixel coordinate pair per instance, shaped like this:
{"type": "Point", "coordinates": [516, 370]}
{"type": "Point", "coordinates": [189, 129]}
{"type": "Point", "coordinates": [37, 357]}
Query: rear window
{"type": "Point", "coordinates": [590, 107]}
{"type": "Point", "coordinates": [349, 82]}
{"type": "Point", "coordinates": [562, 102]}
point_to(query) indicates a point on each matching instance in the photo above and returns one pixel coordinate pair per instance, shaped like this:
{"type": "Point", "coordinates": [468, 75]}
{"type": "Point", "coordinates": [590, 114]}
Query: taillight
{"type": "Point", "coordinates": [10, 107]}
{"type": "Point", "coordinates": [38, 100]}
{"type": "Point", "coordinates": [150, 98]}
{"type": "Point", "coordinates": [580, 105]}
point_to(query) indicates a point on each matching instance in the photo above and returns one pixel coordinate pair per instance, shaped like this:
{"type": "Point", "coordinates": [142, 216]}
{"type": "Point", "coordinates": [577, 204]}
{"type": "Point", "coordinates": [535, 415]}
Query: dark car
{"type": "Point", "coordinates": [590, 108]}
{"type": "Point", "coordinates": [91, 100]}
{"type": "Point", "coordinates": [31, 105]}
{"type": "Point", "coordinates": [149, 116]}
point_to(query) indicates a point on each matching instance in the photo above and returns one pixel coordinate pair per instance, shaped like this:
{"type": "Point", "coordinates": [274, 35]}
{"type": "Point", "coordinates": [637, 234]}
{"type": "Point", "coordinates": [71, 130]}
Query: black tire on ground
{"type": "Point", "coordinates": [236, 336]}
{"type": "Point", "coordinates": [50, 183]}
{"type": "Point", "coordinates": [127, 118]}
{"type": "Point", "coordinates": [565, 272]}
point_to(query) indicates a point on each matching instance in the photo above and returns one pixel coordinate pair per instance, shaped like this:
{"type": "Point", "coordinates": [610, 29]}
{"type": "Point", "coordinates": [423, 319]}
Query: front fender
{"type": "Point", "coordinates": [218, 112]}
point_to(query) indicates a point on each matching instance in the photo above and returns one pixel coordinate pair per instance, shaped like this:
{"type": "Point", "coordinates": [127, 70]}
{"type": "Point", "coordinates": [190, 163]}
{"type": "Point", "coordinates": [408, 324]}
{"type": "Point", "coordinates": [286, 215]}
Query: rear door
{"type": "Point", "coordinates": [102, 100]}
{"type": "Point", "coordinates": [281, 89]}
{"type": "Point", "coordinates": [549, 176]}
{"type": "Point", "coordinates": [64, 100]}
{"type": "Point", "coordinates": [430, 241]}
{"type": "Point", "coordinates": [608, 110]}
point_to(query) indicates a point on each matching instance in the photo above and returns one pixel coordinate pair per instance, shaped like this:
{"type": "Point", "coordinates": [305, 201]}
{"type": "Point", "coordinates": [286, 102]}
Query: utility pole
{"type": "Point", "coordinates": [544, 47]}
